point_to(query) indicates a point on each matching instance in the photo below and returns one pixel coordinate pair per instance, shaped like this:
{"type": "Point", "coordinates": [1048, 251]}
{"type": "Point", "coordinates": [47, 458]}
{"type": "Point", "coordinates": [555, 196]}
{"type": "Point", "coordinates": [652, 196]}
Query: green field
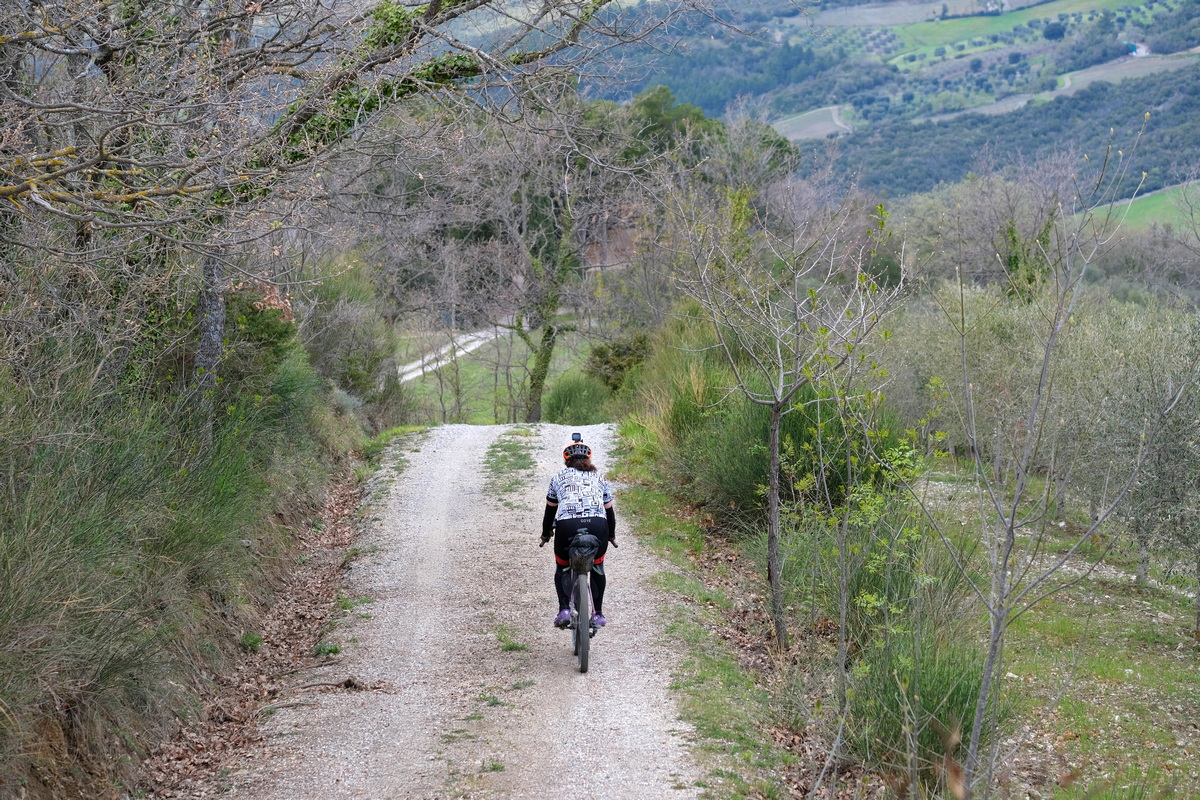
{"type": "Point", "coordinates": [924, 36]}
{"type": "Point", "coordinates": [1160, 208]}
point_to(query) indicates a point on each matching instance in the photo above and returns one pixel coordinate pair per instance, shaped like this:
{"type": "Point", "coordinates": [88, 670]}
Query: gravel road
{"type": "Point", "coordinates": [438, 706]}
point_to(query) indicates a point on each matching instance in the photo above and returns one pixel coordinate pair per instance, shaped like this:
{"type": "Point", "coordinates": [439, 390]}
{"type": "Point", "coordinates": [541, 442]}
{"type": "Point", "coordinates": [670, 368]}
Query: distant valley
{"type": "Point", "coordinates": [918, 91]}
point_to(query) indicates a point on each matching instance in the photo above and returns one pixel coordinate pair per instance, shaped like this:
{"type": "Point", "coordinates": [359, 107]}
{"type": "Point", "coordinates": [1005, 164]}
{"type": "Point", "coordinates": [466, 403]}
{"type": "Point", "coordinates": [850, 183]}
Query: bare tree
{"type": "Point", "coordinates": [790, 298]}
{"type": "Point", "coordinates": [504, 212]}
{"type": "Point", "coordinates": [148, 145]}
{"type": "Point", "coordinates": [1015, 517]}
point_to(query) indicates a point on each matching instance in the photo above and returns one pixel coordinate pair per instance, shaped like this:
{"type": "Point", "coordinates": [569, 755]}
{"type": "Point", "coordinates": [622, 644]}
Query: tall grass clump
{"type": "Point", "coordinates": [576, 399]}
{"type": "Point", "coordinates": [875, 571]}
{"type": "Point", "coordinates": [914, 669]}
{"type": "Point", "coordinates": [132, 548]}
{"type": "Point", "coordinates": [711, 442]}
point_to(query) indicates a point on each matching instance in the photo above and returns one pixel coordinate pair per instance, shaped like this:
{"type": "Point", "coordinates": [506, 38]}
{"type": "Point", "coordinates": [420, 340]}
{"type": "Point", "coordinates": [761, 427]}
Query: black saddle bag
{"type": "Point", "coordinates": [582, 550]}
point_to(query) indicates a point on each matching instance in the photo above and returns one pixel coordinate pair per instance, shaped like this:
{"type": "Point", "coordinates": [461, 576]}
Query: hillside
{"type": "Point", "coordinates": [873, 66]}
{"type": "Point", "coordinates": [897, 157]}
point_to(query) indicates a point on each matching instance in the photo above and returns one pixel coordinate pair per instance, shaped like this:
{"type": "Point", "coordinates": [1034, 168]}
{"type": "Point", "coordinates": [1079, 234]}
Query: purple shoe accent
{"type": "Point", "coordinates": [563, 619]}
{"type": "Point", "coordinates": [598, 621]}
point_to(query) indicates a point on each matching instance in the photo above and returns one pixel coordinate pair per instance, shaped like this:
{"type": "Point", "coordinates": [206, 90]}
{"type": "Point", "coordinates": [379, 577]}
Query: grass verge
{"type": "Point", "coordinates": [720, 698]}
{"type": "Point", "coordinates": [1128, 661]}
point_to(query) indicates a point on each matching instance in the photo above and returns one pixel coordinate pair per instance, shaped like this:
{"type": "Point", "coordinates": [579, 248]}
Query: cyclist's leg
{"type": "Point", "coordinates": [562, 585]}
{"type": "Point", "coordinates": [598, 584]}
{"type": "Point", "coordinates": [598, 581]}
{"type": "Point", "coordinates": [563, 531]}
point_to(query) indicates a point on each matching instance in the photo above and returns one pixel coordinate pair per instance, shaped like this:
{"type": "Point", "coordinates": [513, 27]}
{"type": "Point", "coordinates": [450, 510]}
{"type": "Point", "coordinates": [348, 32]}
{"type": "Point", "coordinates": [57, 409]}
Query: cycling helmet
{"type": "Point", "coordinates": [577, 449]}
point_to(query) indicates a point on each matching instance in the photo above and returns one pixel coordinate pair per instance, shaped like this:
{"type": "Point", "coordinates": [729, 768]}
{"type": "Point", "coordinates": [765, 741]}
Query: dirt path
{"type": "Point", "coordinates": [838, 121]}
{"type": "Point", "coordinates": [460, 346]}
{"type": "Point", "coordinates": [438, 706]}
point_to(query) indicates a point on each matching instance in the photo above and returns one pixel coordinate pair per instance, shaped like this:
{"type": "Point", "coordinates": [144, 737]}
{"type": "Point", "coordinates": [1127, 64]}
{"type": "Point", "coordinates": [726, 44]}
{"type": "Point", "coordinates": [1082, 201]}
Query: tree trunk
{"type": "Point", "coordinates": [991, 666]}
{"type": "Point", "coordinates": [773, 565]}
{"type": "Point", "coordinates": [210, 346]}
{"type": "Point", "coordinates": [537, 378]}
{"type": "Point", "coordinates": [1060, 494]}
{"type": "Point", "coordinates": [1143, 554]}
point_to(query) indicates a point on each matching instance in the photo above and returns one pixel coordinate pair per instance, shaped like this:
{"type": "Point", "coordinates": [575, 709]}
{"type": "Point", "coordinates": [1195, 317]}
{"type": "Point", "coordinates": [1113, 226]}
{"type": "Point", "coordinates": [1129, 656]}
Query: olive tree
{"type": "Point", "coordinates": [1015, 430]}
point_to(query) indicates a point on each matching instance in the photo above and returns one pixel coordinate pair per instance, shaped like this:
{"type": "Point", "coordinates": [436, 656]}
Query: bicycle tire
{"type": "Point", "coordinates": [574, 616]}
{"type": "Point", "coordinates": [583, 626]}
{"type": "Point", "coordinates": [575, 632]}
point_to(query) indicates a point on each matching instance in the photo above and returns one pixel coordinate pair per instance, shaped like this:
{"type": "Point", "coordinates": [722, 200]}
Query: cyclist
{"type": "Point", "coordinates": [578, 497]}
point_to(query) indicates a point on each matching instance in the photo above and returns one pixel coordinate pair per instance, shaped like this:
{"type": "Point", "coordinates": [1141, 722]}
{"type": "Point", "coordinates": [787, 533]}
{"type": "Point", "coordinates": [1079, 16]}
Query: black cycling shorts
{"type": "Point", "coordinates": [565, 530]}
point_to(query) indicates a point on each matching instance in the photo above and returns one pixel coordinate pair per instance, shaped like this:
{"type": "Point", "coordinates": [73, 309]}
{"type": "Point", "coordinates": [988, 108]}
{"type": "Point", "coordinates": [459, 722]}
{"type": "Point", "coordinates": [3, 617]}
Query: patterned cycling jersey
{"type": "Point", "coordinates": [579, 494]}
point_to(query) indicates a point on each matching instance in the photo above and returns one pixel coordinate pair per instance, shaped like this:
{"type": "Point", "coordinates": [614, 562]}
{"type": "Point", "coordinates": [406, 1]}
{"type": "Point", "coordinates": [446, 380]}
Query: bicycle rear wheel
{"type": "Point", "coordinates": [583, 623]}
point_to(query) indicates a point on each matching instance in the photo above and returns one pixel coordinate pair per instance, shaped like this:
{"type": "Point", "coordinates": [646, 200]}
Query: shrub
{"type": "Point", "coordinates": [345, 335]}
{"type": "Point", "coordinates": [609, 361]}
{"type": "Point", "coordinates": [1055, 31]}
{"type": "Point", "coordinates": [576, 399]}
{"type": "Point", "coordinates": [712, 440]}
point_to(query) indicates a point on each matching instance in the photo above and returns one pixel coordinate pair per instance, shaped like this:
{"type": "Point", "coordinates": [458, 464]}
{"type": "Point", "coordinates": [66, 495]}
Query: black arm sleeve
{"type": "Point", "coordinates": [611, 516]}
{"type": "Point", "coordinates": [548, 521]}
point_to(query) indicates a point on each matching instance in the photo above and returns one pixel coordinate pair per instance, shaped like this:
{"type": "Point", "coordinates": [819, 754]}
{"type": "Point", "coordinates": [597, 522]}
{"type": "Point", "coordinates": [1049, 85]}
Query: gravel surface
{"type": "Point", "coordinates": [437, 706]}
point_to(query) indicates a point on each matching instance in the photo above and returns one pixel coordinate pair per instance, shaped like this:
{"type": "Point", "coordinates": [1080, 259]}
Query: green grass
{"type": "Point", "coordinates": [250, 642]}
{"type": "Point", "coordinates": [508, 642]}
{"type": "Point", "coordinates": [1134, 681]}
{"type": "Point", "coordinates": [376, 445]}
{"type": "Point", "coordinates": [350, 603]}
{"type": "Point", "coordinates": [1160, 208]}
{"type": "Point", "coordinates": [729, 711]}
{"type": "Point", "coordinates": [508, 462]}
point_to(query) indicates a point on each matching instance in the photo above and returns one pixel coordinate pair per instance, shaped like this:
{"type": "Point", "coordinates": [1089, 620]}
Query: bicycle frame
{"type": "Point", "coordinates": [579, 594]}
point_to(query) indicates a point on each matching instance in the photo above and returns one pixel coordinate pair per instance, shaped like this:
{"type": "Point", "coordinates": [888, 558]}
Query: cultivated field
{"type": "Point", "coordinates": [900, 13]}
{"type": "Point", "coordinates": [817, 124]}
{"type": "Point", "coordinates": [1124, 68]}
{"type": "Point", "coordinates": [927, 35]}
{"type": "Point", "coordinates": [1112, 72]}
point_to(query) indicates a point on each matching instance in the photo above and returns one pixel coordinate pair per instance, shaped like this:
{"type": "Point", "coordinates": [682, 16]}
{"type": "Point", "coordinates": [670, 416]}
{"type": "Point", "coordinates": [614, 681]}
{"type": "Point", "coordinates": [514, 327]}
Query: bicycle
{"type": "Point", "coordinates": [581, 553]}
